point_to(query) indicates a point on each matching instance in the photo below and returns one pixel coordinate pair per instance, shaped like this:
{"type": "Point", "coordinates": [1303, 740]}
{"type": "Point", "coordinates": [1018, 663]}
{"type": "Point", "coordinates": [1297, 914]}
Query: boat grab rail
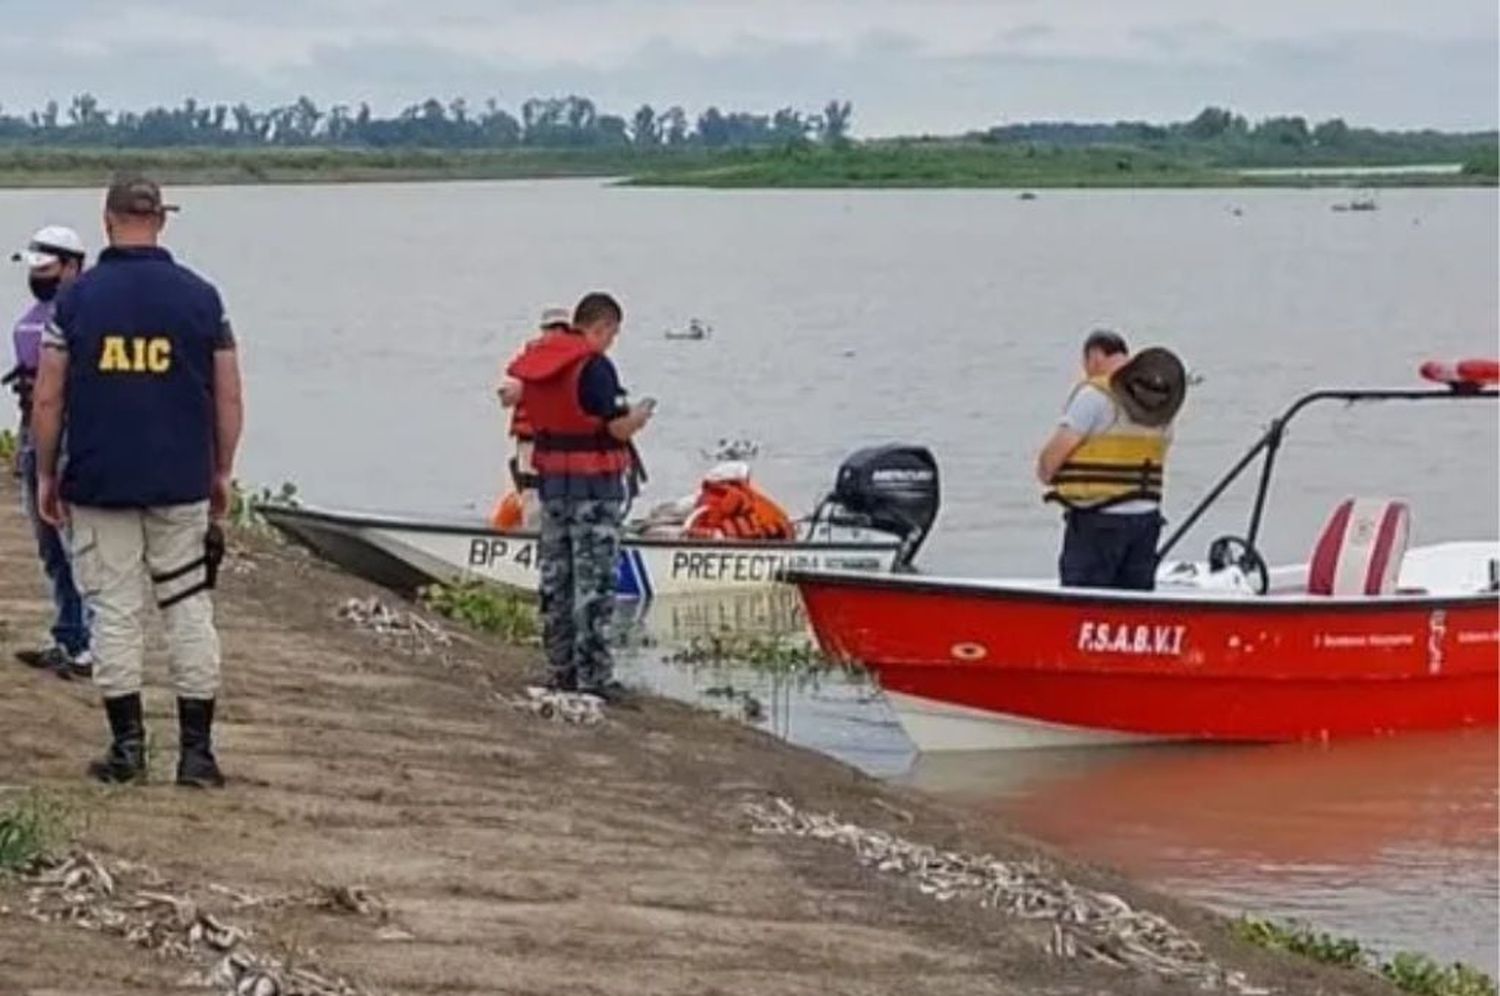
{"type": "Point", "coordinates": [1270, 442]}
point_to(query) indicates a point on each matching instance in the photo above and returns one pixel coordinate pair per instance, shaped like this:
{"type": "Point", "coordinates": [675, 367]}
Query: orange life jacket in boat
{"type": "Point", "coordinates": [736, 510]}
{"type": "Point", "coordinates": [508, 513]}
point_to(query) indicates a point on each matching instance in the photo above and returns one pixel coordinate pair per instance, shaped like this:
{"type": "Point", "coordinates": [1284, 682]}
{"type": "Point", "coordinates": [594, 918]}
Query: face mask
{"type": "Point", "coordinates": [45, 288]}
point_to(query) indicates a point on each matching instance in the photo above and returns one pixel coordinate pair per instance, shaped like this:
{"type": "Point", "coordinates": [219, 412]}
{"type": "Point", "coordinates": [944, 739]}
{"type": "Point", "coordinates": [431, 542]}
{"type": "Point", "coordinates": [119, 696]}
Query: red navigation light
{"type": "Point", "coordinates": [1469, 374]}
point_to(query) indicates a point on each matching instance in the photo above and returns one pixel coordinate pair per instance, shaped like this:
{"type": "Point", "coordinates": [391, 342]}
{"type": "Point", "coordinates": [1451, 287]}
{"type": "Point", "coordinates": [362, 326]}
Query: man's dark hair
{"type": "Point", "coordinates": [1107, 342]}
{"type": "Point", "coordinates": [595, 307]}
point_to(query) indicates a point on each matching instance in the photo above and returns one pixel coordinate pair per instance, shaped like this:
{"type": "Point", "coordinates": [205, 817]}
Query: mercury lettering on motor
{"type": "Point", "coordinates": [488, 551]}
{"type": "Point", "coordinates": [1131, 638]}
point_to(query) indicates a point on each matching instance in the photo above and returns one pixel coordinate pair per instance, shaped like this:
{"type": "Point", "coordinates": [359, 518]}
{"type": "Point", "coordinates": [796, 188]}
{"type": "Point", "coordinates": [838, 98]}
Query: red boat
{"type": "Point", "coordinates": [1367, 638]}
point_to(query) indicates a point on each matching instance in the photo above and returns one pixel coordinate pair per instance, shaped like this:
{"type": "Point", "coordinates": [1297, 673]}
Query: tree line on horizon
{"type": "Point", "coordinates": [1227, 136]}
{"type": "Point", "coordinates": [571, 122]}
{"type": "Point", "coordinates": [575, 122]}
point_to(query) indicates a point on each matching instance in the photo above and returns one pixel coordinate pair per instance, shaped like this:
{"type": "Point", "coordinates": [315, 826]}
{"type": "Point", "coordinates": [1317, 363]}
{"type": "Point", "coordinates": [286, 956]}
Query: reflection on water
{"type": "Point", "coordinates": [837, 713]}
{"type": "Point", "coordinates": [769, 612]}
{"type": "Point", "coordinates": [1391, 841]}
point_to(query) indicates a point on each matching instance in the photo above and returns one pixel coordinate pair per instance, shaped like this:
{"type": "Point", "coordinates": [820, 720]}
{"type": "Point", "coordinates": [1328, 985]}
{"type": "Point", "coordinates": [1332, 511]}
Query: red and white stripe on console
{"type": "Point", "coordinates": [1360, 549]}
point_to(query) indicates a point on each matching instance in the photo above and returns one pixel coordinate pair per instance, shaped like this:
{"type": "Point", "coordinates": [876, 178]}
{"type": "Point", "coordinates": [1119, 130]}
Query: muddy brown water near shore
{"type": "Point", "coordinates": [515, 855]}
{"type": "Point", "coordinates": [1391, 841]}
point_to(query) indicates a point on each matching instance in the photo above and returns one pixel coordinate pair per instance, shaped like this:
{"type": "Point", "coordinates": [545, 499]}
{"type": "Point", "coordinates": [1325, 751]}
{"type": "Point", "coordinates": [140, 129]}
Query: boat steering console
{"type": "Point", "coordinates": [1235, 551]}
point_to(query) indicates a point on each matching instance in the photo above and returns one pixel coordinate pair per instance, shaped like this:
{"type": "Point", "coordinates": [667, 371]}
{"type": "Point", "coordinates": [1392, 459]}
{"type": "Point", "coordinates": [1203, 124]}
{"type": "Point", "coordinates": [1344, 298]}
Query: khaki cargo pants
{"type": "Point", "coordinates": [122, 554]}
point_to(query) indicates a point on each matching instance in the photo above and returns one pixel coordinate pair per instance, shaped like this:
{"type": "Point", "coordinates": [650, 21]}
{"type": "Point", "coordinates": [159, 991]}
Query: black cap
{"type": "Point", "coordinates": [132, 193]}
{"type": "Point", "coordinates": [1107, 341]}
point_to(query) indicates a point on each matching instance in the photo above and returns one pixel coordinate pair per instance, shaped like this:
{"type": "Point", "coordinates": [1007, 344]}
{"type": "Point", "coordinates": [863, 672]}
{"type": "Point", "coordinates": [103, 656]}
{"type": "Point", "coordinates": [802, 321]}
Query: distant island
{"type": "Point", "coordinates": [570, 136]}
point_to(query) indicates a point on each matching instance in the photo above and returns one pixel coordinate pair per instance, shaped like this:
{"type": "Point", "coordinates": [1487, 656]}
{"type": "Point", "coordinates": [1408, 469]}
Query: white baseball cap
{"type": "Point", "coordinates": [728, 471]}
{"type": "Point", "coordinates": [555, 316]}
{"type": "Point", "coordinates": [50, 245]}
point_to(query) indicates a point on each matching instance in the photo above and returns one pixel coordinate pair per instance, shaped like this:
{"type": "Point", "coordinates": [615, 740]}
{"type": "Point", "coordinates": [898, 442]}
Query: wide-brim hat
{"type": "Point", "coordinates": [1151, 386]}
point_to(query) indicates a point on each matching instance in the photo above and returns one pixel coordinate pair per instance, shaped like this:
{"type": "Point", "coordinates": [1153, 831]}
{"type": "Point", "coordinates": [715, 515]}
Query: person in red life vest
{"type": "Point", "coordinates": [581, 450]}
{"type": "Point", "coordinates": [730, 507]}
{"type": "Point", "coordinates": [519, 507]}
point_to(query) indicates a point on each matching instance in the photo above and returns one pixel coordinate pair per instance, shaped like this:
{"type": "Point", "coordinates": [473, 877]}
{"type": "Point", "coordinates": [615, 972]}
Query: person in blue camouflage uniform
{"type": "Point", "coordinates": [583, 458]}
{"type": "Point", "coordinates": [579, 546]}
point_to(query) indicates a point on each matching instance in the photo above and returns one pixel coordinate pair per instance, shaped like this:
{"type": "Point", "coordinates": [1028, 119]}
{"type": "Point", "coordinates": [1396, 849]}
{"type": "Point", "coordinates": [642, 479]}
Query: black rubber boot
{"type": "Point", "coordinates": [195, 760]}
{"type": "Point", "coordinates": [125, 761]}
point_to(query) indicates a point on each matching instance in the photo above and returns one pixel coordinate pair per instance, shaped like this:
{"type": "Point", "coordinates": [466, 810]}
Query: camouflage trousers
{"type": "Point", "coordinates": [580, 542]}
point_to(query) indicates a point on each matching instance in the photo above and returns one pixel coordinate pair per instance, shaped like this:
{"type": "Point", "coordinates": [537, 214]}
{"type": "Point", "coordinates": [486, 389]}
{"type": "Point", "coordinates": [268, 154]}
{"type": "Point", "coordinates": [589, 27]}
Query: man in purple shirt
{"type": "Point", "coordinates": [53, 258]}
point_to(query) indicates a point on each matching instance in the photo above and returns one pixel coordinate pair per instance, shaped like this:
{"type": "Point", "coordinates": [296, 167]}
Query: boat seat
{"type": "Point", "coordinates": [1361, 548]}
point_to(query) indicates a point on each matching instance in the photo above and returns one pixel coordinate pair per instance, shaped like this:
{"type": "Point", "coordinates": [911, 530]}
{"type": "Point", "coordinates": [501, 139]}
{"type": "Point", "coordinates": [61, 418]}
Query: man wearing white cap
{"type": "Point", "coordinates": [53, 258]}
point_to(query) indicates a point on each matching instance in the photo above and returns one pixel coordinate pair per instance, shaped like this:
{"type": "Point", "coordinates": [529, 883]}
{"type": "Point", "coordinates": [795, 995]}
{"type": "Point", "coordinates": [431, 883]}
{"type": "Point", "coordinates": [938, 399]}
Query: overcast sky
{"type": "Point", "coordinates": [909, 67]}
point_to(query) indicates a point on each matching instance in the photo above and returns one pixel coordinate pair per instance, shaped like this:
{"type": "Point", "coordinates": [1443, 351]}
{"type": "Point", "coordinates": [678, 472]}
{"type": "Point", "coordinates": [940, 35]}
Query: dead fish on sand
{"type": "Point", "coordinates": [87, 892]}
{"type": "Point", "coordinates": [371, 615]}
{"type": "Point", "coordinates": [1086, 923]}
{"type": "Point", "coordinates": [578, 708]}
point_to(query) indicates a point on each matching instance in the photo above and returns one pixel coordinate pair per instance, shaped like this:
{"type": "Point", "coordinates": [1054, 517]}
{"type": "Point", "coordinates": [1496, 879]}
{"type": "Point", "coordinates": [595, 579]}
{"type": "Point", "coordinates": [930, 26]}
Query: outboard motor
{"type": "Point", "coordinates": [891, 488]}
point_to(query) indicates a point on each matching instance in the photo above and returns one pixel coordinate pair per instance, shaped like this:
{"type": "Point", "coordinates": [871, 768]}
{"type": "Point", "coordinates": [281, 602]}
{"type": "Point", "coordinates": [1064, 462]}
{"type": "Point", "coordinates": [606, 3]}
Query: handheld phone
{"type": "Point", "coordinates": [648, 403]}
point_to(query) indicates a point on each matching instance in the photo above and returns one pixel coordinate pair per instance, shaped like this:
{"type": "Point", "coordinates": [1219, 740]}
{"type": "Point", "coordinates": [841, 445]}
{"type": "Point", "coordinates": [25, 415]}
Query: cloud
{"type": "Point", "coordinates": [908, 66]}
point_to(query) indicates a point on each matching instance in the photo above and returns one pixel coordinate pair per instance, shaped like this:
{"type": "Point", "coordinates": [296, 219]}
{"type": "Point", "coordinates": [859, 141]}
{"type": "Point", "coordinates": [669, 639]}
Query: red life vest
{"type": "Point", "coordinates": [568, 441]}
{"type": "Point", "coordinates": [521, 426]}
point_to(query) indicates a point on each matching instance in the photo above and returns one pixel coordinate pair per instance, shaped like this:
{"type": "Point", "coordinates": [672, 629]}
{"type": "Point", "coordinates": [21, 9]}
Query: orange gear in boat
{"type": "Point", "coordinates": [508, 513]}
{"type": "Point", "coordinates": [736, 510]}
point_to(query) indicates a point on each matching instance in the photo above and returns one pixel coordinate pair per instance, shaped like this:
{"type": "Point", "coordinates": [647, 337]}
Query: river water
{"type": "Point", "coordinates": [373, 320]}
{"type": "Point", "coordinates": [1392, 841]}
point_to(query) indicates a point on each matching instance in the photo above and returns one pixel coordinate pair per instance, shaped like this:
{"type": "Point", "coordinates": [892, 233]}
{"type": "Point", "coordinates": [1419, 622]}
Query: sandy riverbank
{"type": "Point", "coordinates": [511, 854]}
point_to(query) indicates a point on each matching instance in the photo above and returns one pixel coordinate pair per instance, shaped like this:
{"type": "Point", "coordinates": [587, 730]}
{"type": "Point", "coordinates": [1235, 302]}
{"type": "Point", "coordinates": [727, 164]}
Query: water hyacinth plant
{"type": "Point", "coordinates": [245, 504]}
{"type": "Point", "coordinates": [1407, 971]}
{"type": "Point", "coordinates": [486, 609]}
{"type": "Point", "coordinates": [32, 823]}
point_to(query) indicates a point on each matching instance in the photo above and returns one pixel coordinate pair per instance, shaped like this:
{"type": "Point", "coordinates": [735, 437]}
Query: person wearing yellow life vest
{"type": "Point", "coordinates": [519, 507]}
{"type": "Point", "coordinates": [1106, 463]}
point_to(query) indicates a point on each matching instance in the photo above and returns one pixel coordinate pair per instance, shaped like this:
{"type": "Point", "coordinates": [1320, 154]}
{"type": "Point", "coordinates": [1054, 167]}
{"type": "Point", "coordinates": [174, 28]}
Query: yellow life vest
{"type": "Point", "coordinates": [1126, 462]}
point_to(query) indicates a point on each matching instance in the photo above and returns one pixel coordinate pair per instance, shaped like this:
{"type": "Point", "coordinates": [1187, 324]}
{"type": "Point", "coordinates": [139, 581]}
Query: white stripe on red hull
{"type": "Point", "coordinates": [943, 726]}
